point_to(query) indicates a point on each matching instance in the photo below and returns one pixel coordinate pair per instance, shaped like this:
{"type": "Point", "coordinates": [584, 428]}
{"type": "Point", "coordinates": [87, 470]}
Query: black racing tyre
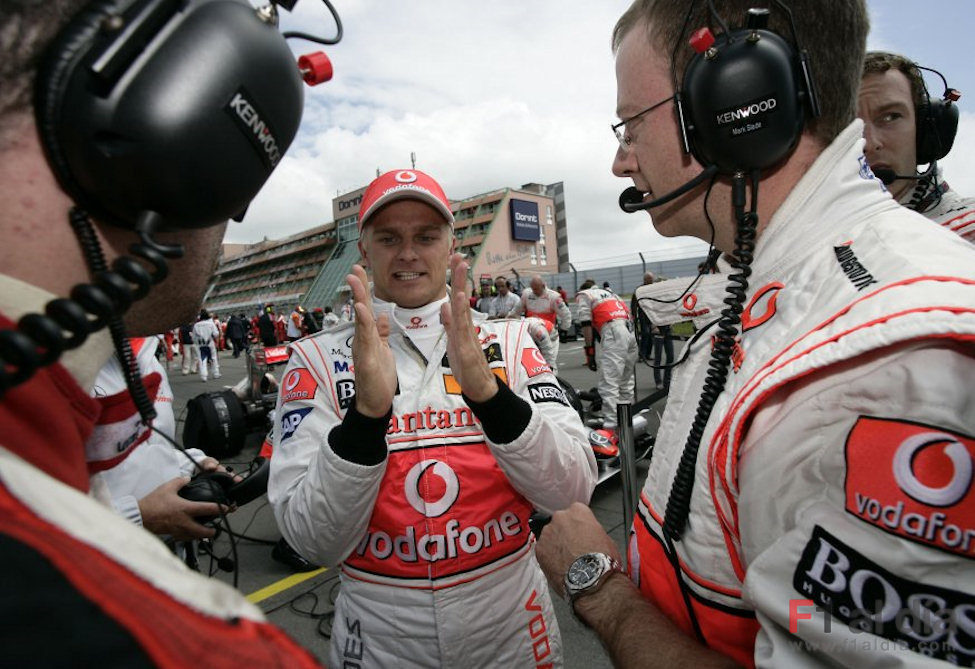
{"type": "Point", "coordinates": [216, 424]}
{"type": "Point", "coordinates": [572, 396]}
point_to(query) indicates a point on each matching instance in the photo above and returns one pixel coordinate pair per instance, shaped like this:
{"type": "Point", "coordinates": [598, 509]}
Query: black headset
{"type": "Point", "coordinates": [155, 115]}
{"type": "Point", "coordinates": [745, 95]}
{"type": "Point", "coordinates": [937, 121]}
{"type": "Point", "coordinates": [179, 107]}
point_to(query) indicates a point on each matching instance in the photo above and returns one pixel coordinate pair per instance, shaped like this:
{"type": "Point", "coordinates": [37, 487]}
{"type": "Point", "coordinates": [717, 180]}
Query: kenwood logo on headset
{"type": "Point", "coordinates": [252, 122]}
{"type": "Point", "coordinates": [746, 111]}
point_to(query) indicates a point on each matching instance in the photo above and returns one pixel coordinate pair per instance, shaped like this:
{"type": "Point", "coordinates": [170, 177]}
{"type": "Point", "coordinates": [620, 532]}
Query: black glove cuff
{"type": "Point", "coordinates": [504, 417]}
{"type": "Point", "coordinates": [360, 439]}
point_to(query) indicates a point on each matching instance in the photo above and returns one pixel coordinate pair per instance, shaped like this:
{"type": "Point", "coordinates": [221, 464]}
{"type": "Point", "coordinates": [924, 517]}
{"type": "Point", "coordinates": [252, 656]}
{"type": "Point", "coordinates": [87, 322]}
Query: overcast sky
{"type": "Point", "coordinates": [508, 92]}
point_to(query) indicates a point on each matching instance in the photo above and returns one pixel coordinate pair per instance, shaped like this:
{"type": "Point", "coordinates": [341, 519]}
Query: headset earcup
{"type": "Point", "coordinates": [53, 75]}
{"type": "Point", "coordinates": [937, 125]}
{"type": "Point", "coordinates": [744, 103]}
{"type": "Point", "coordinates": [184, 112]}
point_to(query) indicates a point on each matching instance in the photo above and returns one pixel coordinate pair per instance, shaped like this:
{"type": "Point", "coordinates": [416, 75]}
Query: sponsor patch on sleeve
{"type": "Point", "coordinates": [849, 587]}
{"type": "Point", "coordinates": [547, 392]}
{"type": "Point", "coordinates": [452, 386]}
{"type": "Point", "coordinates": [534, 362]}
{"type": "Point", "coordinates": [345, 392]}
{"type": "Point", "coordinates": [291, 420]}
{"type": "Point", "coordinates": [914, 481]}
{"type": "Point", "coordinates": [298, 384]}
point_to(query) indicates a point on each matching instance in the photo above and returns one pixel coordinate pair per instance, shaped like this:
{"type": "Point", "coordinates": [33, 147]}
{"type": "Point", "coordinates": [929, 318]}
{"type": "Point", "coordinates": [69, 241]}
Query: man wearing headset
{"type": "Point", "coordinates": [894, 105]}
{"type": "Point", "coordinates": [820, 512]}
{"type": "Point", "coordinates": [84, 586]}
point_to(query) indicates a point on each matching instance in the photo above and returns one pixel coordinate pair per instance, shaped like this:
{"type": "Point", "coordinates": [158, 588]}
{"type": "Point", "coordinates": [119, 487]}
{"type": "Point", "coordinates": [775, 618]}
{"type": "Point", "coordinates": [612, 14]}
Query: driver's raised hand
{"type": "Point", "coordinates": [467, 361]}
{"type": "Point", "coordinates": [375, 368]}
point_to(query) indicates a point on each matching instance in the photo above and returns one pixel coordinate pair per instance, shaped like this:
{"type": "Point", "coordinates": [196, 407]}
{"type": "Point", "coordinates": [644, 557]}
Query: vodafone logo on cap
{"type": "Point", "coordinates": [405, 176]}
{"type": "Point", "coordinates": [914, 481]}
{"type": "Point", "coordinates": [431, 487]}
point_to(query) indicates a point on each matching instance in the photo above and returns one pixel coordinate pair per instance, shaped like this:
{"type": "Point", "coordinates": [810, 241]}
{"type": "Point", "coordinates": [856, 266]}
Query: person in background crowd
{"type": "Point", "coordinates": [503, 301]}
{"type": "Point", "coordinates": [281, 328]}
{"type": "Point", "coordinates": [642, 327]}
{"type": "Point", "coordinates": [205, 335]}
{"type": "Point", "coordinates": [266, 327]}
{"type": "Point", "coordinates": [562, 294]}
{"type": "Point", "coordinates": [483, 303]}
{"type": "Point", "coordinates": [771, 528]}
{"type": "Point", "coordinates": [604, 316]}
{"type": "Point", "coordinates": [168, 338]}
{"type": "Point", "coordinates": [329, 318]}
{"type": "Point", "coordinates": [221, 334]}
{"type": "Point", "coordinates": [660, 340]}
{"type": "Point", "coordinates": [348, 314]}
{"type": "Point", "coordinates": [312, 320]}
{"type": "Point", "coordinates": [295, 323]}
{"type": "Point", "coordinates": [544, 303]}
{"type": "Point", "coordinates": [423, 396]}
{"type": "Point", "coordinates": [894, 105]}
{"type": "Point", "coordinates": [188, 352]}
{"type": "Point", "coordinates": [237, 333]}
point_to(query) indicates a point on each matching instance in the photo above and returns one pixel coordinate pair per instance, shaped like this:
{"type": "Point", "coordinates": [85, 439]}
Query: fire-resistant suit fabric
{"type": "Point", "coordinates": [833, 486]}
{"type": "Point", "coordinates": [438, 565]}
{"type": "Point", "coordinates": [617, 351]}
{"type": "Point", "coordinates": [936, 201]}
{"type": "Point", "coordinates": [122, 453]}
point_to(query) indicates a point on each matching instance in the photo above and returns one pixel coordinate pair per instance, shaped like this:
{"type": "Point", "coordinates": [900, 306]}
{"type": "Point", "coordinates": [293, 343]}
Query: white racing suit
{"type": "Point", "coordinates": [933, 198]}
{"type": "Point", "coordinates": [832, 518]}
{"type": "Point", "coordinates": [552, 310]}
{"type": "Point", "coordinates": [617, 351]}
{"type": "Point", "coordinates": [205, 336]}
{"type": "Point", "coordinates": [430, 528]}
{"type": "Point", "coordinates": [122, 453]}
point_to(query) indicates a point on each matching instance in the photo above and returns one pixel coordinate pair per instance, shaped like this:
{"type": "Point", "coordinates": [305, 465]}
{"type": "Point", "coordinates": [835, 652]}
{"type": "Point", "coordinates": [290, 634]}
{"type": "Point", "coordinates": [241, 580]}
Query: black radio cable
{"type": "Point", "coordinates": [39, 339]}
{"type": "Point", "coordinates": [679, 502]}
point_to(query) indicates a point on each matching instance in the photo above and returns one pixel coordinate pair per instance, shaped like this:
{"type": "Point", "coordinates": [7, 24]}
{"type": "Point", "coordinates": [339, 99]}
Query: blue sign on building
{"type": "Point", "coordinates": [524, 221]}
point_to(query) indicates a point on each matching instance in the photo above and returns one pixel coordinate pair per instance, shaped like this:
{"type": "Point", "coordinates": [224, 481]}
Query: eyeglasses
{"type": "Point", "coordinates": [621, 135]}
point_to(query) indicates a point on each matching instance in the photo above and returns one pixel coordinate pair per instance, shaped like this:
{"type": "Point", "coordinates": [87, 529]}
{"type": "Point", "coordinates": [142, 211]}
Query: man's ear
{"type": "Point", "coordinates": [453, 243]}
{"type": "Point", "coordinates": [362, 250]}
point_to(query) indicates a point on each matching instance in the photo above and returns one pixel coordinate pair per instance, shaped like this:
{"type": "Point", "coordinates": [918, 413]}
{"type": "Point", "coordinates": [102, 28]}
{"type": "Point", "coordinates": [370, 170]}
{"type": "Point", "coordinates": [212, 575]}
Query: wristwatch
{"type": "Point", "coordinates": [587, 574]}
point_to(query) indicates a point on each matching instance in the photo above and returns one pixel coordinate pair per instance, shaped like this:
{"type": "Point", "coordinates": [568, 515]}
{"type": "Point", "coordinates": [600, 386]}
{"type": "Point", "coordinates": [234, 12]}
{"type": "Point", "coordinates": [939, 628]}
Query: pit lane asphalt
{"type": "Point", "coordinates": [283, 596]}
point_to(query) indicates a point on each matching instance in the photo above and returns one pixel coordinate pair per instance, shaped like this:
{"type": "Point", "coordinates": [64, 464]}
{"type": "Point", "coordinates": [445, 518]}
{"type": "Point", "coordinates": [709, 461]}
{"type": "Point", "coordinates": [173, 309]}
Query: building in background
{"type": "Point", "coordinates": [269, 272]}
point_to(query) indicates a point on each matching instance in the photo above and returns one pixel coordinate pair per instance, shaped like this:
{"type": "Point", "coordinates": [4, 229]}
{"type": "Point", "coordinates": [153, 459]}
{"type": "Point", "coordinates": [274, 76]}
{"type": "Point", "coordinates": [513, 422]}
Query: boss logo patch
{"type": "Point", "coordinates": [345, 392]}
{"type": "Point", "coordinates": [931, 621]}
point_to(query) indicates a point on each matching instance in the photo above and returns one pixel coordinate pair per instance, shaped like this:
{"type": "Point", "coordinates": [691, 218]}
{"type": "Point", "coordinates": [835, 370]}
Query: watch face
{"type": "Point", "coordinates": [584, 571]}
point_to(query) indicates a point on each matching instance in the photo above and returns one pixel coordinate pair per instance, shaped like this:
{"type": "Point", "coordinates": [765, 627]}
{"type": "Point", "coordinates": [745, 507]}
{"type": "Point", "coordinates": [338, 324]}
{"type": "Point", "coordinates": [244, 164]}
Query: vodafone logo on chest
{"type": "Point", "coordinates": [431, 488]}
{"type": "Point", "coordinates": [914, 481]}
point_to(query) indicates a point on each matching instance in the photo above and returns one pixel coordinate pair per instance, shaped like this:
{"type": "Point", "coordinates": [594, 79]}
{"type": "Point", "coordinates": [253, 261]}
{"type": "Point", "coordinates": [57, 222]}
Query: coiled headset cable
{"type": "Point", "coordinates": [679, 502]}
{"type": "Point", "coordinates": [40, 339]}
